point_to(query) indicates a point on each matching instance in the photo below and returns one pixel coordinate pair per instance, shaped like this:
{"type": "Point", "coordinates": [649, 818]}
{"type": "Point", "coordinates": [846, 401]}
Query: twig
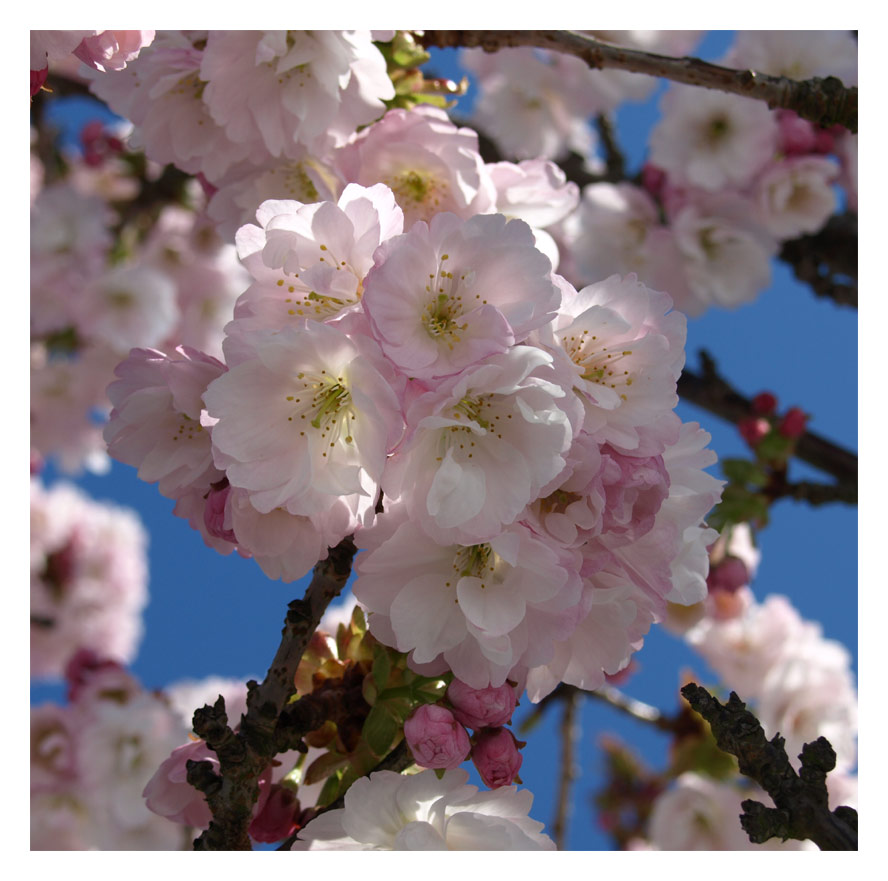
{"type": "Point", "coordinates": [615, 162]}
{"type": "Point", "coordinates": [570, 732]}
{"type": "Point", "coordinates": [635, 708]}
{"type": "Point", "coordinates": [816, 493]}
{"type": "Point", "coordinates": [825, 102]}
{"type": "Point", "coordinates": [802, 801]}
{"type": "Point", "coordinates": [630, 706]}
{"type": "Point", "coordinates": [244, 755]}
{"type": "Point", "coordinates": [709, 390]}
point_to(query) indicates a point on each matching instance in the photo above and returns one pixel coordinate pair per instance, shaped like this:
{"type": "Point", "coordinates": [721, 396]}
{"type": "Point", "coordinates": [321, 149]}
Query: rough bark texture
{"type": "Point", "coordinates": [266, 728]}
{"type": "Point", "coordinates": [802, 802]}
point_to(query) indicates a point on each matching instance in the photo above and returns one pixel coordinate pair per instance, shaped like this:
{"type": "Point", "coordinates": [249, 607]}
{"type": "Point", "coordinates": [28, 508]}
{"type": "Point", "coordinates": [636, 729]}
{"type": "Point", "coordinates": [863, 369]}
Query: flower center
{"type": "Point", "coordinates": [596, 363]}
{"type": "Point", "coordinates": [324, 403]}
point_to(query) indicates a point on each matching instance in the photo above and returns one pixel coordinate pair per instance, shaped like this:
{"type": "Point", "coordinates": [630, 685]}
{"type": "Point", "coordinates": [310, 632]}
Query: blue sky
{"type": "Point", "coordinates": [213, 615]}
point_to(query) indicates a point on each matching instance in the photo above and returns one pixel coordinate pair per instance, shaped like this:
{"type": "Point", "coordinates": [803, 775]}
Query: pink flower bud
{"type": "Point", "coordinates": [277, 818]}
{"type": "Point", "coordinates": [753, 429]}
{"type": "Point", "coordinates": [653, 178]}
{"type": "Point", "coordinates": [38, 78]}
{"type": "Point", "coordinates": [481, 707]}
{"type": "Point", "coordinates": [496, 756]}
{"type": "Point", "coordinates": [435, 738]}
{"type": "Point", "coordinates": [797, 136]}
{"type": "Point", "coordinates": [214, 514]}
{"type": "Point", "coordinates": [793, 423]}
{"type": "Point", "coordinates": [169, 793]}
{"type": "Point", "coordinates": [764, 403]}
{"type": "Point", "coordinates": [729, 575]}
{"type": "Point", "coordinates": [89, 675]}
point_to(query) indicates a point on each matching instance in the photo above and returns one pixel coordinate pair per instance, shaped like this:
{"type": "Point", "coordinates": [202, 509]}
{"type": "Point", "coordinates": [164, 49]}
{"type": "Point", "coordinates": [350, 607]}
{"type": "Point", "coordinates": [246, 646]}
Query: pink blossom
{"type": "Point", "coordinates": [309, 262]}
{"type": "Point", "coordinates": [496, 756]}
{"type": "Point", "coordinates": [431, 165]}
{"type": "Point", "coordinates": [482, 445]}
{"type": "Point", "coordinates": [535, 103]}
{"type": "Point", "coordinates": [435, 738]}
{"type": "Point", "coordinates": [158, 423]}
{"type": "Point", "coordinates": [54, 46]}
{"type": "Point", "coordinates": [161, 93]}
{"type": "Point", "coordinates": [112, 50]}
{"type": "Point", "coordinates": [272, 90]}
{"type": "Point", "coordinates": [304, 418]}
{"type": "Point", "coordinates": [443, 296]}
{"type": "Point", "coordinates": [169, 794]}
{"type": "Point", "coordinates": [89, 578]}
{"type": "Point", "coordinates": [712, 140]}
{"type": "Point", "coordinates": [796, 195]}
{"type": "Point", "coordinates": [480, 610]}
{"type": "Point", "coordinates": [723, 250]}
{"type": "Point", "coordinates": [481, 707]}
{"type": "Point", "coordinates": [626, 350]}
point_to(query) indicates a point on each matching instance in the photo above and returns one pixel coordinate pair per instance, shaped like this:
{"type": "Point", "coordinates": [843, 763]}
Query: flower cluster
{"type": "Point", "coordinates": [89, 578]}
{"type": "Point", "coordinates": [88, 309]}
{"type": "Point", "coordinates": [727, 181]}
{"type": "Point", "coordinates": [91, 759]}
{"type": "Point", "coordinates": [521, 432]}
{"type": "Point", "coordinates": [800, 682]}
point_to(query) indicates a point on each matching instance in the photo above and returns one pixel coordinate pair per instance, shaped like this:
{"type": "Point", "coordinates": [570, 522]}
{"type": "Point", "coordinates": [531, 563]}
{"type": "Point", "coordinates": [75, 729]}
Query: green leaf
{"type": "Point", "coordinates": [380, 729]}
{"type": "Point", "coordinates": [439, 773]}
{"type": "Point", "coordinates": [382, 666]}
{"type": "Point", "coordinates": [744, 471]}
{"type": "Point", "coordinates": [330, 791]}
{"type": "Point", "coordinates": [323, 766]}
{"type": "Point", "coordinates": [775, 448]}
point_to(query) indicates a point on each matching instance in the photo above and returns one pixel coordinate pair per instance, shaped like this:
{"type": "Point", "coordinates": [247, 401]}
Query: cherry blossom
{"type": "Point", "coordinates": [386, 811]}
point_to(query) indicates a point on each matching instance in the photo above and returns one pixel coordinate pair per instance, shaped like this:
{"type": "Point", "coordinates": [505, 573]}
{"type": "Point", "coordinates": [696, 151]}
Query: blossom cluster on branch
{"type": "Point", "coordinates": [288, 289]}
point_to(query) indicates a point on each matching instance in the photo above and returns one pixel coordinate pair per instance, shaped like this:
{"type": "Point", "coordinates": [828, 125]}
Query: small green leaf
{"type": "Point", "coordinates": [323, 766]}
{"type": "Point", "coordinates": [744, 471]}
{"type": "Point", "coordinates": [439, 773]}
{"type": "Point", "coordinates": [382, 666]}
{"type": "Point", "coordinates": [330, 791]}
{"type": "Point", "coordinates": [775, 448]}
{"type": "Point", "coordinates": [380, 729]}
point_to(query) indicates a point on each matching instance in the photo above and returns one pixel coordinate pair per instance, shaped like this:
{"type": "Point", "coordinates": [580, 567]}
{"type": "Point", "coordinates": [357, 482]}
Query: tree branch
{"type": "Point", "coordinates": [614, 697]}
{"type": "Point", "coordinates": [825, 102]}
{"type": "Point", "coordinates": [802, 802]}
{"type": "Point", "coordinates": [244, 755]}
{"type": "Point", "coordinates": [569, 772]}
{"type": "Point", "coordinates": [827, 260]}
{"type": "Point", "coordinates": [709, 390]}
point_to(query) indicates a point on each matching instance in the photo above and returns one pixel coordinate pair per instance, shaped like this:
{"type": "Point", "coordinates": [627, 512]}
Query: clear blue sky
{"type": "Point", "coordinates": [213, 615]}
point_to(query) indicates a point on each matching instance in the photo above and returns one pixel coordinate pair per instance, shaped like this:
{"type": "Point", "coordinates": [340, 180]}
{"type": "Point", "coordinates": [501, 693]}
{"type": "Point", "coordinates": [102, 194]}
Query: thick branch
{"type": "Point", "coordinates": [825, 102]}
{"type": "Point", "coordinates": [802, 801]}
{"type": "Point", "coordinates": [827, 260]}
{"type": "Point", "coordinates": [244, 755]}
{"type": "Point", "coordinates": [709, 390]}
{"type": "Point", "coordinates": [569, 736]}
